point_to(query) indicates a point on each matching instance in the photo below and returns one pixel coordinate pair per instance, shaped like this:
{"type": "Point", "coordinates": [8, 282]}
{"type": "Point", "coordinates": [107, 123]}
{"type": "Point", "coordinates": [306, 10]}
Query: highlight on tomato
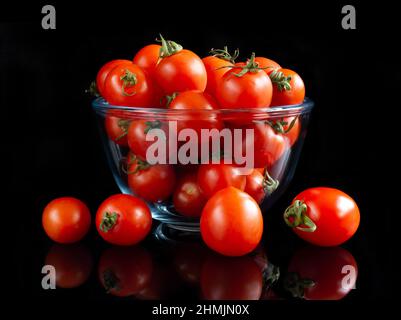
{"type": "Point", "coordinates": [104, 71]}
{"type": "Point", "coordinates": [288, 88]}
{"type": "Point", "coordinates": [267, 65]}
{"type": "Point", "coordinates": [147, 58]}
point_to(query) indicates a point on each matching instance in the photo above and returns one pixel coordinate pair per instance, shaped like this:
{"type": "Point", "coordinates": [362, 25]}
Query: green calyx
{"type": "Point", "coordinates": [269, 184]}
{"type": "Point", "coordinates": [295, 217]}
{"type": "Point", "coordinates": [280, 80]}
{"type": "Point", "coordinates": [279, 125]}
{"type": "Point", "coordinates": [140, 164]}
{"type": "Point", "coordinates": [170, 98]}
{"type": "Point", "coordinates": [110, 281]}
{"type": "Point", "coordinates": [123, 125]}
{"type": "Point", "coordinates": [224, 54]}
{"type": "Point", "coordinates": [92, 90]}
{"type": "Point", "coordinates": [251, 66]}
{"type": "Point", "coordinates": [108, 222]}
{"type": "Point", "coordinates": [152, 125]}
{"type": "Point", "coordinates": [168, 47]}
{"type": "Point", "coordinates": [129, 80]}
{"type": "Point", "coordinates": [296, 286]}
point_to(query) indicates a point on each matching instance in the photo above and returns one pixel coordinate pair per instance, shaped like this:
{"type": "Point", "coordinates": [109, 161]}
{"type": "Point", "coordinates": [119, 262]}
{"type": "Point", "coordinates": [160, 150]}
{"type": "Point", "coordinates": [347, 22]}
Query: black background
{"type": "Point", "coordinates": [50, 141]}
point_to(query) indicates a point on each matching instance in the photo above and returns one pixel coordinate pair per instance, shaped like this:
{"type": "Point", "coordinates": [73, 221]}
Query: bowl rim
{"type": "Point", "coordinates": [100, 104]}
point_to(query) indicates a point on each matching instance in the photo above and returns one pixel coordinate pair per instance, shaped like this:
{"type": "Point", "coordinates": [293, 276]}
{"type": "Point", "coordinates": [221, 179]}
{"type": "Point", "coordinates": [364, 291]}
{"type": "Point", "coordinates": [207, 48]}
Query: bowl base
{"type": "Point", "coordinates": [173, 233]}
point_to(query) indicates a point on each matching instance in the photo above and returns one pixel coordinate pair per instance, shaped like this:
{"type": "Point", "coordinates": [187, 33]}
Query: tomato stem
{"type": "Point", "coordinates": [280, 80]}
{"type": "Point", "coordinates": [170, 98]}
{"type": "Point", "coordinates": [296, 286]}
{"type": "Point", "coordinates": [269, 184]}
{"type": "Point", "coordinates": [278, 125]}
{"type": "Point", "coordinates": [168, 47]}
{"type": "Point", "coordinates": [110, 281]}
{"type": "Point", "coordinates": [224, 54]}
{"type": "Point", "coordinates": [109, 221]}
{"type": "Point", "coordinates": [129, 80]}
{"type": "Point", "coordinates": [295, 217]}
{"type": "Point", "coordinates": [124, 125]}
{"type": "Point", "coordinates": [152, 125]}
{"type": "Point", "coordinates": [92, 90]}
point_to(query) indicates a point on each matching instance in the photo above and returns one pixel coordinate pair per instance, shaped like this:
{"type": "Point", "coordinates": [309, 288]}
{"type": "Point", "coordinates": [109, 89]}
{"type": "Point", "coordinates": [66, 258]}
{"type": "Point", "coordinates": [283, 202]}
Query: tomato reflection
{"type": "Point", "coordinates": [73, 264]}
{"type": "Point", "coordinates": [316, 273]}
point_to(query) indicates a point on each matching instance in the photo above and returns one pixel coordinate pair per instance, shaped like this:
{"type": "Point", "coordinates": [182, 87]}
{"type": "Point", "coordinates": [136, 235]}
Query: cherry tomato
{"type": "Point", "coordinates": [151, 182]}
{"type": "Point", "coordinates": [215, 177]}
{"type": "Point", "coordinates": [244, 86]}
{"type": "Point", "coordinates": [117, 129]}
{"type": "Point", "coordinates": [123, 220]}
{"type": "Point", "coordinates": [125, 271]}
{"type": "Point", "coordinates": [66, 220]}
{"type": "Point", "coordinates": [73, 264]}
{"type": "Point", "coordinates": [104, 71]}
{"type": "Point", "coordinates": [267, 65]}
{"type": "Point", "coordinates": [224, 278]}
{"type": "Point", "coordinates": [179, 69]}
{"type": "Point", "coordinates": [292, 133]}
{"type": "Point", "coordinates": [321, 273]}
{"type": "Point", "coordinates": [288, 88]}
{"type": "Point", "coordinates": [231, 222]}
{"type": "Point", "coordinates": [323, 216]}
{"type": "Point", "coordinates": [259, 184]}
{"type": "Point", "coordinates": [188, 199]}
{"type": "Point", "coordinates": [147, 58]}
{"type": "Point", "coordinates": [188, 260]}
{"type": "Point", "coordinates": [128, 85]}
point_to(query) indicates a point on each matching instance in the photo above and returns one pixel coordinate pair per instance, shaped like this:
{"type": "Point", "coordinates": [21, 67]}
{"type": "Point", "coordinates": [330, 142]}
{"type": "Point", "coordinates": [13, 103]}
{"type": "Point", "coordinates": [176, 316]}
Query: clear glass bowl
{"type": "Point", "coordinates": [281, 166]}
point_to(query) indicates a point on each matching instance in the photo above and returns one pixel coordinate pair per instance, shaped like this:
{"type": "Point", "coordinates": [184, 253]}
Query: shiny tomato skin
{"type": "Point", "coordinates": [66, 220]}
{"type": "Point", "coordinates": [294, 132]}
{"type": "Point", "coordinates": [73, 264]}
{"type": "Point", "coordinates": [268, 64]}
{"type": "Point", "coordinates": [215, 69]}
{"type": "Point", "coordinates": [147, 58]}
{"type": "Point", "coordinates": [116, 129]}
{"type": "Point", "coordinates": [324, 266]}
{"type": "Point", "coordinates": [289, 97]}
{"type": "Point", "coordinates": [155, 183]}
{"type": "Point", "coordinates": [181, 71]}
{"type": "Point", "coordinates": [188, 198]}
{"type": "Point", "coordinates": [335, 214]}
{"type": "Point", "coordinates": [227, 278]}
{"type": "Point", "coordinates": [231, 222]}
{"type": "Point", "coordinates": [104, 71]}
{"type": "Point", "coordinates": [133, 223]}
{"type": "Point", "coordinates": [215, 177]}
{"type": "Point", "coordinates": [125, 271]}
{"type": "Point", "coordinates": [251, 90]}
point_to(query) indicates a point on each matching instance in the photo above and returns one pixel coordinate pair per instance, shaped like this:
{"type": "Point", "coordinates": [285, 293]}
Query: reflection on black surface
{"type": "Point", "coordinates": [73, 264]}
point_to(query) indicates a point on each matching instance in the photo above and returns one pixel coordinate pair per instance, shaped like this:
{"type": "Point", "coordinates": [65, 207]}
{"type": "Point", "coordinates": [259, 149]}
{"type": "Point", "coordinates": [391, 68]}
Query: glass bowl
{"type": "Point", "coordinates": [270, 140]}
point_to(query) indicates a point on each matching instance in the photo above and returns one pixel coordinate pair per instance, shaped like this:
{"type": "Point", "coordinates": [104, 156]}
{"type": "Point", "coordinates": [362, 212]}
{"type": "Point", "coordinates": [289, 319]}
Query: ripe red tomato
{"type": "Point", "coordinates": [66, 220]}
{"type": "Point", "coordinates": [224, 278]}
{"type": "Point", "coordinates": [73, 264]}
{"type": "Point", "coordinates": [125, 271]}
{"type": "Point", "coordinates": [128, 85]}
{"type": "Point", "coordinates": [231, 222]}
{"type": "Point", "coordinates": [323, 216]}
{"type": "Point", "coordinates": [147, 58]}
{"type": "Point", "coordinates": [188, 199]}
{"type": "Point", "coordinates": [123, 220]}
{"type": "Point", "coordinates": [179, 69]}
{"type": "Point", "coordinates": [267, 65]}
{"type": "Point", "coordinates": [245, 86]}
{"type": "Point", "coordinates": [104, 71]}
{"type": "Point", "coordinates": [151, 182]}
{"type": "Point", "coordinates": [215, 177]}
{"type": "Point", "coordinates": [117, 129]}
{"type": "Point", "coordinates": [288, 88]}
{"type": "Point", "coordinates": [259, 184]}
{"type": "Point", "coordinates": [321, 273]}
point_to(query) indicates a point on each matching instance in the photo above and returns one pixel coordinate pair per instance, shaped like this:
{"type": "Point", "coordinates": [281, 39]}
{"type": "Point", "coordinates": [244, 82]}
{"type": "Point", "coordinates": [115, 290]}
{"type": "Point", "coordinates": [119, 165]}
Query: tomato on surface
{"type": "Point", "coordinates": [66, 220]}
{"type": "Point", "coordinates": [188, 198]}
{"type": "Point", "coordinates": [245, 86]}
{"type": "Point", "coordinates": [123, 220]}
{"type": "Point", "coordinates": [321, 273]}
{"type": "Point", "coordinates": [224, 278]}
{"type": "Point", "coordinates": [259, 184]}
{"type": "Point", "coordinates": [267, 65]}
{"type": "Point", "coordinates": [231, 222]}
{"type": "Point", "coordinates": [151, 182]}
{"type": "Point", "coordinates": [73, 264]}
{"type": "Point", "coordinates": [104, 71]}
{"type": "Point", "coordinates": [323, 216]}
{"type": "Point", "coordinates": [288, 88]}
{"type": "Point", "coordinates": [179, 69]}
{"type": "Point", "coordinates": [117, 129]}
{"type": "Point", "coordinates": [125, 271]}
{"type": "Point", "coordinates": [127, 85]}
{"type": "Point", "coordinates": [147, 58]}
{"type": "Point", "coordinates": [215, 177]}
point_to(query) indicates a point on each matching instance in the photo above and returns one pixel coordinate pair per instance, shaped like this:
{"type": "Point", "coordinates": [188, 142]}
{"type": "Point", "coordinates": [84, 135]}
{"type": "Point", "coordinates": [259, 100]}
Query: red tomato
{"type": "Point", "coordinates": [117, 129]}
{"type": "Point", "coordinates": [128, 85]}
{"type": "Point", "coordinates": [188, 199]}
{"type": "Point", "coordinates": [225, 278]}
{"type": "Point", "coordinates": [321, 273]}
{"type": "Point", "coordinates": [267, 65]}
{"type": "Point", "coordinates": [147, 58]}
{"type": "Point", "coordinates": [66, 220]}
{"type": "Point", "coordinates": [179, 69]}
{"type": "Point", "coordinates": [231, 222]}
{"type": "Point", "coordinates": [288, 88]}
{"type": "Point", "coordinates": [215, 177]}
{"type": "Point", "coordinates": [151, 182]}
{"type": "Point", "coordinates": [104, 71]}
{"type": "Point", "coordinates": [123, 220]}
{"type": "Point", "coordinates": [189, 259]}
{"type": "Point", "coordinates": [125, 271]}
{"type": "Point", "coordinates": [323, 216]}
{"type": "Point", "coordinates": [244, 86]}
{"type": "Point", "coordinates": [259, 184]}
{"type": "Point", "coordinates": [73, 264]}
